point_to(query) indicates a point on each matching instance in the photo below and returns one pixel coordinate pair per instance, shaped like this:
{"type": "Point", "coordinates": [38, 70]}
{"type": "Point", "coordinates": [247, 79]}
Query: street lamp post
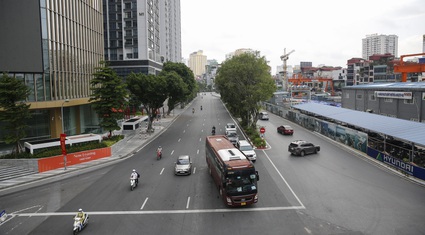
{"type": "Point", "coordinates": [65, 101]}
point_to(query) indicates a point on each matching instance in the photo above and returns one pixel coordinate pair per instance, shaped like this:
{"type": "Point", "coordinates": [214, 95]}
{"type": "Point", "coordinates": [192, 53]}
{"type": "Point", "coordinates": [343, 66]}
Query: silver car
{"type": "Point", "coordinates": [183, 166]}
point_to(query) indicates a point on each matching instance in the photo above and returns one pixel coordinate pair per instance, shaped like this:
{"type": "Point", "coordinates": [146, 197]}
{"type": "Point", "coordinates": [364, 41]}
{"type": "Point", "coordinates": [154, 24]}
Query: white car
{"type": "Point", "coordinates": [246, 148]}
{"type": "Point", "coordinates": [230, 127]}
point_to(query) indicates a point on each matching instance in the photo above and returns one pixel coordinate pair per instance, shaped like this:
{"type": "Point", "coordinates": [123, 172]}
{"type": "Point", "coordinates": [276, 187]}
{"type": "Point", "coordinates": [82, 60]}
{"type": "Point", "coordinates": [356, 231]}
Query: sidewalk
{"type": "Point", "coordinates": [134, 140]}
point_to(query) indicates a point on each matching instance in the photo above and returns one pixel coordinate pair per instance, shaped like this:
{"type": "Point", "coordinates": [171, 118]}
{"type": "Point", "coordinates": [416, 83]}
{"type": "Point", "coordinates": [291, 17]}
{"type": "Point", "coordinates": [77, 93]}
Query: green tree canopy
{"type": "Point", "coordinates": [176, 89]}
{"type": "Point", "coordinates": [186, 74]}
{"type": "Point", "coordinates": [243, 81]}
{"type": "Point", "coordinates": [14, 112]}
{"type": "Point", "coordinates": [151, 90]}
{"type": "Point", "coordinates": [109, 95]}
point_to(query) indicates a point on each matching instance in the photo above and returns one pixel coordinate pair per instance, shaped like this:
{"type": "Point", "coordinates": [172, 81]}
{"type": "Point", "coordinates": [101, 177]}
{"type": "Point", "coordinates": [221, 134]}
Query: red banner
{"type": "Point", "coordinates": [63, 145]}
{"type": "Point", "coordinates": [51, 163]}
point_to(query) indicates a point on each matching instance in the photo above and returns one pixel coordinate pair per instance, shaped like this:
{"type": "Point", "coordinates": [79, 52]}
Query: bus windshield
{"type": "Point", "coordinates": [241, 182]}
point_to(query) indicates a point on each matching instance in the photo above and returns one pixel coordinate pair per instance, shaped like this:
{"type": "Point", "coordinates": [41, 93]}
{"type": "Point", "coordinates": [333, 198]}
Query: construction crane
{"type": "Point", "coordinates": [405, 68]}
{"type": "Point", "coordinates": [284, 58]}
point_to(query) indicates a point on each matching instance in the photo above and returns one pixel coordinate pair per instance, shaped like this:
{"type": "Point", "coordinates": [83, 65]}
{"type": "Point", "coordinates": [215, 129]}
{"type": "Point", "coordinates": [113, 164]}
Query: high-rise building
{"type": "Point", "coordinates": [197, 63]}
{"type": "Point", "coordinates": [140, 35]}
{"type": "Point", "coordinates": [53, 47]}
{"type": "Point", "coordinates": [379, 44]}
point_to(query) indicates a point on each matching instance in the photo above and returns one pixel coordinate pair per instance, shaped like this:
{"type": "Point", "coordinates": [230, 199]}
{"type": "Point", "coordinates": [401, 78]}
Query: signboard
{"type": "Point", "coordinates": [262, 130]}
{"type": "Point", "coordinates": [62, 141]}
{"type": "Point", "coordinates": [394, 94]}
{"type": "Point", "coordinates": [423, 95]}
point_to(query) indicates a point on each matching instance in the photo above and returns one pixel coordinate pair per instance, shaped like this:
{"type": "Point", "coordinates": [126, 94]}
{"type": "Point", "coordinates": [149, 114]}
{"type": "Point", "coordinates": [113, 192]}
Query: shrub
{"type": "Point", "coordinates": [56, 151]}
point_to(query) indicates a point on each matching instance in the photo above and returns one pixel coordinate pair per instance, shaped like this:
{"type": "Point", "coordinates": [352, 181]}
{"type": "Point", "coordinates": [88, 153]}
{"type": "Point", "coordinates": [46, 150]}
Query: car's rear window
{"type": "Point", "coordinates": [293, 145]}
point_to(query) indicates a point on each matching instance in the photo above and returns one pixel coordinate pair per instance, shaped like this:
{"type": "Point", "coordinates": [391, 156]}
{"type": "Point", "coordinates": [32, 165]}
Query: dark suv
{"type": "Point", "coordinates": [301, 147]}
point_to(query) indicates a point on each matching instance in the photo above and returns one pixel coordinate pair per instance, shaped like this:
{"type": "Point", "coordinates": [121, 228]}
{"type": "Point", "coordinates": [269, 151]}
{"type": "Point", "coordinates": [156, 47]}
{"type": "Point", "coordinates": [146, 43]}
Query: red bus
{"type": "Point", "coordinates": [233, 173]}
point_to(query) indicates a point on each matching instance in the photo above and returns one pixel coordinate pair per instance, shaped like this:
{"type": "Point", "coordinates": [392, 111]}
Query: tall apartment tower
{"type": "Point", "coordinates": [53, 47]}
{"type": "Point", "coordinates": [197, 63]}
{"type": "Point", "coordinates": [379, 44]}
{"type": "Point", "coordinates": [140, 35]}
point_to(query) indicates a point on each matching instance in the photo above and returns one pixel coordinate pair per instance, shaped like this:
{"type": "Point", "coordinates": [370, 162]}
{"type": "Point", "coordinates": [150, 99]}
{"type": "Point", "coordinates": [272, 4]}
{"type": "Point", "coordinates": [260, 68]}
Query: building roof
{"type": "Point", "coordinates": [401, 129]}
{"type": "Point", "coordinates": [389, 86]}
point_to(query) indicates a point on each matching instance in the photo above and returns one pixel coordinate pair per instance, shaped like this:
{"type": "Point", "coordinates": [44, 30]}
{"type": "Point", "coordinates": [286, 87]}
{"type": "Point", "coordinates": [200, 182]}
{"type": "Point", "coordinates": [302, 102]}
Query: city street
{"type": "Point", "coordinates": [333, 192]}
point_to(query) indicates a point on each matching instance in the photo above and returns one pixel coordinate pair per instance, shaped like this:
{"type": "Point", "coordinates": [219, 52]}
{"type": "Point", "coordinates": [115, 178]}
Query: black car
{"type": "Point", "coordinates": [301, 147]}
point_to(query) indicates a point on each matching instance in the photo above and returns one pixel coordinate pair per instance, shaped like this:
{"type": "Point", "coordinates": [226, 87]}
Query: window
{"type": "Point", "coordinates": [388, 100]}
{"type": "Point", "coordinates": [359, 96]}
{"type": "Point", "coordinates": [411, 101]}
{"type": "Point", "coordinates": [372, 97]}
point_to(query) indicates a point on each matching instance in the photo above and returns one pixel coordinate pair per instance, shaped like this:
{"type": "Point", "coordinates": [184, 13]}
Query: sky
{"type": "Point", "coordinates": [324, 32]}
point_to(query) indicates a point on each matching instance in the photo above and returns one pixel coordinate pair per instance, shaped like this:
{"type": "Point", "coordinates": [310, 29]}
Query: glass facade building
{"type": "Point", "coordinates": [53, 46]}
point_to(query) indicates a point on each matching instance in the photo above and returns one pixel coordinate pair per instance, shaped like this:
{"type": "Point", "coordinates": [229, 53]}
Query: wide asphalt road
{"type": "Point", "coordinates": [333, 192]}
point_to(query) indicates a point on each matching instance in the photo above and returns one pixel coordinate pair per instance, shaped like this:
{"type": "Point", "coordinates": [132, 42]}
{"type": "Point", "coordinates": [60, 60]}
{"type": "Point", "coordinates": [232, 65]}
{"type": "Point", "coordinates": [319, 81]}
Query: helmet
{"type": "Point", "coordinates": [159, 146]}
{"type": "Point", "coordinates": [134, 170]}
{"type": "Point", "coordinates": [80, 210]}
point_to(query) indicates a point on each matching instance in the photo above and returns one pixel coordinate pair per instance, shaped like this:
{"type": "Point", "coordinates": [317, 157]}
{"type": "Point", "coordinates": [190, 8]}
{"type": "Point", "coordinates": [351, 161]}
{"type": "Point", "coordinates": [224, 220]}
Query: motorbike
{"type": "Point", "coordinates": [158, 155]}
{"type": "Point", "coordinates": [201, 108]}
{"type": "Point", "coordinates": [133, 183]}
{"type": "Point", "coordinates": [78, 226]}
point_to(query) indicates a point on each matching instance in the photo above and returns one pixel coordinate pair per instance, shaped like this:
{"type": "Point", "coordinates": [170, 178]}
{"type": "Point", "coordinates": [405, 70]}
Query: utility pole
{"type": "Point", "coordinates": [284, 58]}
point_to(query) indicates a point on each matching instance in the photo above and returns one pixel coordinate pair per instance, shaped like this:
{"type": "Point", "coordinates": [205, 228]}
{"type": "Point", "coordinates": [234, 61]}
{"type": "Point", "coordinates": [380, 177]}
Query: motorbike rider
{"type": "Point", "coordinates": [201, 107]}
{"type": "Point", "coordinates": [213, 130]}
{"type": "Point", "coordinates": [193, 110]}
{"type": "Point", "coordinates": [134, 175]}
{"type": "Point", "coordinates": [159, 151]}
{"type": "Point", "coordinates": [80, 216]}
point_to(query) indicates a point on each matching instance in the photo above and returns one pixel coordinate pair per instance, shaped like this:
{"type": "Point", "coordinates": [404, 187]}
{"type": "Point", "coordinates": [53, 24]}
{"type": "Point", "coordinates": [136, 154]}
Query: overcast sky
{"type": "Point", "coordinates": [320, 31]}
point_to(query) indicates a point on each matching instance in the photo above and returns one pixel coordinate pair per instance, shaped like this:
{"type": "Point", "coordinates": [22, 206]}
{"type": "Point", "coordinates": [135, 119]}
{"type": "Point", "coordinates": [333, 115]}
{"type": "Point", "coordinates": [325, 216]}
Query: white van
{"type": "Point", "coordinates": [264, 116]}
{"type": "Point", "coordinates": [246, 148]}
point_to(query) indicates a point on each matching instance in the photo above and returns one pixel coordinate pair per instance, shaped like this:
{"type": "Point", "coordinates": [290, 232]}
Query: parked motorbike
{"type": "Point", "coordinates": [78, 226]}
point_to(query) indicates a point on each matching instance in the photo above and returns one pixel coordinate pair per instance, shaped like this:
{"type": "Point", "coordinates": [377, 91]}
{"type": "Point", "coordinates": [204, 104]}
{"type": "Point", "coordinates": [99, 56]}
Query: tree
{"type": "Point", "coordinates": [244, 81]}
{"type": "Point", "coordinates": [14, 112]}
{"type": "Point", "coordinates": [176, 89]}
{"type": "Point", "coordinates": [151, 90]}
{"type": "Point", "coordinates": [109, 97]}
{"type": "Point", "coordinates": [186, 74]}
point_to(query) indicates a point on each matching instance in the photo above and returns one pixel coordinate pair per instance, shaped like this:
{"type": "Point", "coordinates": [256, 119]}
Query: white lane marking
{"type": "Point", "coordinates": [292, 191]}
{"type": "Point", "coordinates": [202, 130]}
{"type": "Point", "coordinates": [132, 154]}
{"type": "Point", "coordinates": [179, 140]}
{"type": "Point", "coordinates": [188, 202]}
{"type": "Point", "coordinates": [113, 213]}
{"type": "Point", "coordinates": [162, 171]}
{"type": "Point", "coordinates": [200, 139]}
{"type": "Point", "coordinates": [307, 230]}
{"type": "Point", "coordinates": [194, 170]}
{"type": "Point", "coordinates": [144, 203]}
{"type": "Point", "coordinates": [197, 152]}
{"type": "Point", "coordinates": [184, 131]}
{"type": "Point", "coordinates": [172, 152]}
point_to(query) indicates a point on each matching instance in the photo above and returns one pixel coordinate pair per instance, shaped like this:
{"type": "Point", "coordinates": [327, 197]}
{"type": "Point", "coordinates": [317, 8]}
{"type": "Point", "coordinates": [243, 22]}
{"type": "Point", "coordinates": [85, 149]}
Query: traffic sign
{"type": "Point", "coordinates": [262, 130]}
